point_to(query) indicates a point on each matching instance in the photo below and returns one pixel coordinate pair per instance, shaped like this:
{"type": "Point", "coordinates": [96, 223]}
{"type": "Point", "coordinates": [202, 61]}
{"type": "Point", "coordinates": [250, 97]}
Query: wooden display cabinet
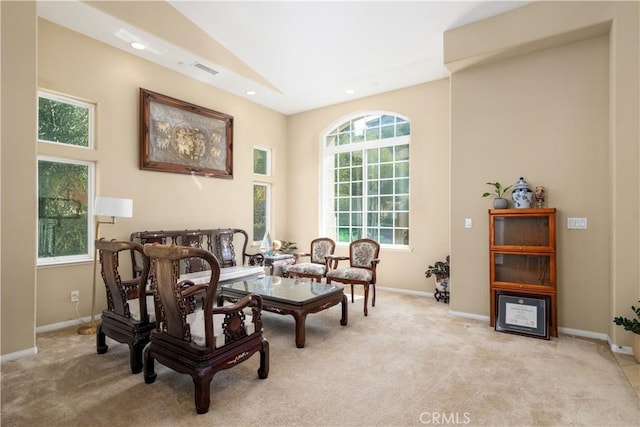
{"type": "Point", "coordinates": [522, 245]}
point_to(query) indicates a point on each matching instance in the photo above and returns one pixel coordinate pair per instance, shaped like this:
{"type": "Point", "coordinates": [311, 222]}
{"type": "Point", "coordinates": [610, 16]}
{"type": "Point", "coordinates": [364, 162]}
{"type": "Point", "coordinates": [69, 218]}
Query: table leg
{"type": "Point", "coordinates": [345, 311]}
{"type": "Point", "coordinates": [300, 329]}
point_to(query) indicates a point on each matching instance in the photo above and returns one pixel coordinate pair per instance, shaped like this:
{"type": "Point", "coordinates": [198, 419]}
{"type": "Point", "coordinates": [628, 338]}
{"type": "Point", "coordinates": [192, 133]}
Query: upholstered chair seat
{"type": "Point", "coordinates": [316, 268]}
{"type": "Point", "coordinates": [363, 261]}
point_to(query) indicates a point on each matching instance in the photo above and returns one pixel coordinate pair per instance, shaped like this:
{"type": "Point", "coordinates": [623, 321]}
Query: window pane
{"type": "Point", "coordinates": [402, 152]}
{"type": "Point", "coordinates": [260, 161]}
{"type": "Point", "coordinates": [356, 204]}
{"type": "Point", "coordinates": [387, 132]}
{"type": "Point", "coordinates": [402, 186]}
{"type": "Point", "coordinates": [62, 209]}
{"type": "Point", "coordinates": [402, 169]}
{"type": "Point", "coordinates": [402, 220]}
{"type": "Point", "coordinates": [356, 189]}
{"type": "Point", "coordinates": [372, 204]}
{"type": "Point", "coordinates": [402, 203]}
{"type": "Point", "coordinates": [260, 210]}
{"type": "Point", "coordinates": [402, 237]}
{"type": "Point", "coordinates": [343, 219]}
{"type": "Point", "coordinates": [373, 134]}
{"type": "Point", "coordinates": [386, 170]}
{"type": "Point", "coordinates": [356, 219]}
{"type": "Point", "coordinates": [386, 219]}
{"type": "Point", "coordinates": [386, 154]}
{"type": "Point", "coordinates": [344, 159]}
{"type": "Point", "coordinates": [403, 129]}
{"type": "Point", "coordinates": [63, 122]}
{"type": "Point", "coordinates": [344, 138]}
{"type": "Point", "coordinates": [372, 187]}
{"type": "Point", "coordinates": [373, 219]}
{"type": "Point", "coordinates": [386, 236]}
{"type": "Point", "coordinates": [373, 155]}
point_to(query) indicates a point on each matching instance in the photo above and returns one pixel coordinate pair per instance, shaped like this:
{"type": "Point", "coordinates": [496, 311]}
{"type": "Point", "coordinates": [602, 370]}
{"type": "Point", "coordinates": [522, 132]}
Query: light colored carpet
{"type": "Point", "coordinates": [407, 364]}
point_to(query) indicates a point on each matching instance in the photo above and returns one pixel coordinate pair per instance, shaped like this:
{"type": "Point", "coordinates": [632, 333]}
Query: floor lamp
{"type": "Point", "coordinates": [115, 208]}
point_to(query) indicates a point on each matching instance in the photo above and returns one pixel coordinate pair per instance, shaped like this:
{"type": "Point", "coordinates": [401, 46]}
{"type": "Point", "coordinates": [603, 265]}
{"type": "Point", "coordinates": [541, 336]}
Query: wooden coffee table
{"type": "Point", "coordinates": [297, 297]}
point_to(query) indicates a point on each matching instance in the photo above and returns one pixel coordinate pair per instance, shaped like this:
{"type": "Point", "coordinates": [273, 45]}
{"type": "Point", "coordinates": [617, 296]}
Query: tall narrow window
{"type": "Point", "coordinates": [65, 185]}
{"type": "Point", "coordinates": [261, 192]}
{"type": "Point", "coordinates": [365, 191]}
{"type": "Point", "coordinates": [261, 208]}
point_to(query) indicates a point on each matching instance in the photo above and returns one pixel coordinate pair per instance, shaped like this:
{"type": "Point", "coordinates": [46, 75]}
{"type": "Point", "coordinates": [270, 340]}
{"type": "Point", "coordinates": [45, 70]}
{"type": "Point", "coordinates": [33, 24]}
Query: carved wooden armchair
{"type": "Point", "coordinates": [130, 316]}
{"type": "Point", "coordinates": [363, 261]}
{"type": "Point", "coordinates": [316, 268]}
{"type": "Point", "coordinates": [224, 247]}
{"type": "Point", "coordinates": [207, 340]}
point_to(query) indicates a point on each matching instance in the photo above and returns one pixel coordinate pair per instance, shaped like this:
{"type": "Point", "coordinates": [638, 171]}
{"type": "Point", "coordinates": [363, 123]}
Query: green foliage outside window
{"type": "Point", "coordinates": [63, 122]}
{"type": "Point", "coordinates": [63, 184]}
{"type": "Point", "coordinates": [260, 159]}
{"type": "Point", "coordinates": [259, 211]}
{"type": "Point", "coordinates": [62, 209]}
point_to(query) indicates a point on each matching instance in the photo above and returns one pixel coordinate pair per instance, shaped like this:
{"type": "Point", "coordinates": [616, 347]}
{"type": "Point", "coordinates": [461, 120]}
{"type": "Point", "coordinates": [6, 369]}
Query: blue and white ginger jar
{"type": "Point", "coordinates": [522, 195]}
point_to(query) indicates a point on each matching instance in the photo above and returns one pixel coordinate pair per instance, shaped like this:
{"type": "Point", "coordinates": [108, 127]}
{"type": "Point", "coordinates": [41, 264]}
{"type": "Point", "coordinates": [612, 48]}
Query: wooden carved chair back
{"type": "Point", "coordinates": [205, 341]}
{"type": "Point", "coordinates": [129, 316]}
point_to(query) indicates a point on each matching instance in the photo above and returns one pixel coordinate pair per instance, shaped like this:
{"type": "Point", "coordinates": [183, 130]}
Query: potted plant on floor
{"type": "Point", "coordinates": [632, 325]}
{"type": "Point", "coordinates": [499, 202]}
{"type": "Point", "coordinates": [440, 270]}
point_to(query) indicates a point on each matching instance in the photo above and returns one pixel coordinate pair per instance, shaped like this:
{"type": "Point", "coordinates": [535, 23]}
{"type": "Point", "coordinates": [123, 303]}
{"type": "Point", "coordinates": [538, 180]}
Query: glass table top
{"type": "Point", "coordinates": [296, 291]}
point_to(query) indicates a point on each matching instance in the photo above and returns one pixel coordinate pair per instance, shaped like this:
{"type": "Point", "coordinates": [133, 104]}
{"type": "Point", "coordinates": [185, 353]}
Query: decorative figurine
{"type": "Point", "coordinates": [538, 196]}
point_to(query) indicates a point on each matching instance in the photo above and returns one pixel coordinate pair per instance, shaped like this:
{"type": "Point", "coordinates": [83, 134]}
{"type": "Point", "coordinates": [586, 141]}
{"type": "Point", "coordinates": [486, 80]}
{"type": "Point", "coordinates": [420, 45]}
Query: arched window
{"type": "Point", "coordinates": [365, 179]}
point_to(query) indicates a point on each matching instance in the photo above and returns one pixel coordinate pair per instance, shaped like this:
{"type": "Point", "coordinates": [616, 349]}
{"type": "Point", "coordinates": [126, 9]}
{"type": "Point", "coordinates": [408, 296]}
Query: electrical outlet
{"type": "Point", "coordinates": [75, 296]}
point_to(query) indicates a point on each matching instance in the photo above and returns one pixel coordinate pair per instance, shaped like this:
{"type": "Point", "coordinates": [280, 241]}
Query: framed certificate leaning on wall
{"type": "Point", "coordinates": [522, 314]}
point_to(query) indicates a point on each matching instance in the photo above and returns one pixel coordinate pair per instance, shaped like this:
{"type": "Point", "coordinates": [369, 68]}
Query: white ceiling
{"type": "Point", "coordinates": [300, 55]}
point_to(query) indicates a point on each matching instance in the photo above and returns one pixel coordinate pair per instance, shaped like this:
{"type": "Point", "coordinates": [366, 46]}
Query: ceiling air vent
{"type": "Point", "coordinates": [205, 68]}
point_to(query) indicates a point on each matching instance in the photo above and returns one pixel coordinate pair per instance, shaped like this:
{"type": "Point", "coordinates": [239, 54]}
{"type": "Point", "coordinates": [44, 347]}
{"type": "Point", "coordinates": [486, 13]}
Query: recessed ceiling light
{"type": "Point", "coordinates": [251, 92]}
{"type": "Point", "coordinates": [350, 91]}
{"type": "Point", "coordinates": [138, 45]}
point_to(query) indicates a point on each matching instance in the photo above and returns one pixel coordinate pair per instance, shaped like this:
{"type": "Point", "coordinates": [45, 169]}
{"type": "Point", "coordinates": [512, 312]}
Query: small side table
{"type": "Point", "coordinates": [275, 261]}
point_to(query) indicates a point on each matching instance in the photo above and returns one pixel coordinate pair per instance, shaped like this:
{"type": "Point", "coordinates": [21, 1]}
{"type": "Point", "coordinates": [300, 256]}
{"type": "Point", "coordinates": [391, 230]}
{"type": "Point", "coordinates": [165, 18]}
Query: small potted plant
{"type": "Point", "coordinates": [632, 325]}
{"type": "Point", "coordinates": [499, 202]}
{"type": "Point", "coordinates": [440, 269]}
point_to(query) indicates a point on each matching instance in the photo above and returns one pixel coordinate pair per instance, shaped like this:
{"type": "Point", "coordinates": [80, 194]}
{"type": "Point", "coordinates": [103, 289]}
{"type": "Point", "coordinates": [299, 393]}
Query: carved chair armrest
{"type": "Point", "coordinates": [298, 255]}
{"type": "Point", "coordinates": [375, 262]}
{"type": "Point", "coordinates": [188, 288]}
{"type": "Point", "coordinates": [331, 261]}
{"type": "Point", "coordinates": [255, 259]}
{"type": "Point", "coordinates": [252, 301]}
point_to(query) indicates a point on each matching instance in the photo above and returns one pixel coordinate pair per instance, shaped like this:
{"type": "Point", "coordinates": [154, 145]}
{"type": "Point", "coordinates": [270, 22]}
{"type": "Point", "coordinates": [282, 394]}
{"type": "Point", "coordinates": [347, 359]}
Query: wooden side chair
{"type": "Point", "coordinates": [363, 261]}
{"type": "Point", "coordinates": [130, 315]}
{"type": "Point", "coordinates": [224, 248]}
{"type": "Point", "coordinates": [205, 341]}
{"type": "Point", "coordinates": [316, 268]}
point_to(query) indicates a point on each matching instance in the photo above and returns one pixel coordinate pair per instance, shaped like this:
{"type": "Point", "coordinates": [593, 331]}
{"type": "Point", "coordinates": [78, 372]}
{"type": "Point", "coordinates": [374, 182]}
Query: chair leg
{"type": "Point", "coordinates": [373, 301]}
{"type": "Point", "coordinates": [135, 358]}
{"type": "Point", "coordinates": [366, 298]}
{"type": "Point", "coordinates": [101, 341]}
{"type": "Point", "coordinates": [202, 385]}
{"type": "Point", "coordinates": [263, 370]}
{"type": "Point", "coordinates": [149, 371]}
{"type": "Point", "coordinates": [352, 293]}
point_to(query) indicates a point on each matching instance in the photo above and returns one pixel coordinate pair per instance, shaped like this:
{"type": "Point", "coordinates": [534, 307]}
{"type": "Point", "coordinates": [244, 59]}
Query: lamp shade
{"type": "Point", "coordinates": [112, 206]}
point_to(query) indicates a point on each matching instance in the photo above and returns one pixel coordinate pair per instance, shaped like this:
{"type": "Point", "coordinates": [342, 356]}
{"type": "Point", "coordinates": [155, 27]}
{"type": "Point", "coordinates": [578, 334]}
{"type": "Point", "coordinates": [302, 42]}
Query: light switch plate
{"type": "Point", "coordinates": [577, 223]}
{"type": "Point", "coordinates": [468, 223]}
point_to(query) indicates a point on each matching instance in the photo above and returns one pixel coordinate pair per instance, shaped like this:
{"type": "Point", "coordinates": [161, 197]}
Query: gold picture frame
{"type": "Point", "coordinates": [180, 137]}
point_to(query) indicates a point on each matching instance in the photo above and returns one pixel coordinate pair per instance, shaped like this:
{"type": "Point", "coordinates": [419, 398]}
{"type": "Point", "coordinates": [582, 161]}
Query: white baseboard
{"type": "Point", "coordinates": [66, 323]}
{"type": "Point", "coordinates": [19, 354]}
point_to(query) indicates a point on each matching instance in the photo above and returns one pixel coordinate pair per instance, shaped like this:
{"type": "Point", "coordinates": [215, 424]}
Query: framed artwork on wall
{"type": "Point", "coordinates": [179, 137]}
{"type": "Point", "coordinates": [522, 314]}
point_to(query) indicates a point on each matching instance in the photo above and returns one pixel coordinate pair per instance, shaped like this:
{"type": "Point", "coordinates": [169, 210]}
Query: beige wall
{"type": "Point", "coordinates": [18, 179]}
{"type": "Point", "coordinates": [554, 98]}
{"type": "Point", "coordinates": [572, 122]}
{"type": "Point", "coordinates": [427, 108]}
{"type": "Point", "coordinates": [79, 66]}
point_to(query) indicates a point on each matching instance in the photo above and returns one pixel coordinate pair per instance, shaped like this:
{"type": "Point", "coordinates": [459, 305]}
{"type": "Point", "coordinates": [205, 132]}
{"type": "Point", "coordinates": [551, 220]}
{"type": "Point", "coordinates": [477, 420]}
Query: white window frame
{"type": "Point", "coordinates": [71, 159]}
{"type": "Point", "coordinates": [269, 159]}
{"type": "Point", "coordinates": [77, 103]}
{"type": "Point", "coordinates": [88, 256]}
{"type": "Point", "coordinates": [327, 218]}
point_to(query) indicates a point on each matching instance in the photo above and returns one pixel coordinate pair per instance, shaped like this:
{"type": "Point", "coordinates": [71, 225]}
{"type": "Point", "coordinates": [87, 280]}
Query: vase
{"type": "Point", "coordinates": [500, 203]}
{"type": "Point", "coordinates": [522, 195]}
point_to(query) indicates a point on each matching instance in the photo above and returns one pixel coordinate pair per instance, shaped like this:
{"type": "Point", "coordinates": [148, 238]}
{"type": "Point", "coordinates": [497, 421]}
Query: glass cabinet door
{"type": "Point", "coordinates": [517, 232]}
{"type": "Point", "coordinates": [523, 269]}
